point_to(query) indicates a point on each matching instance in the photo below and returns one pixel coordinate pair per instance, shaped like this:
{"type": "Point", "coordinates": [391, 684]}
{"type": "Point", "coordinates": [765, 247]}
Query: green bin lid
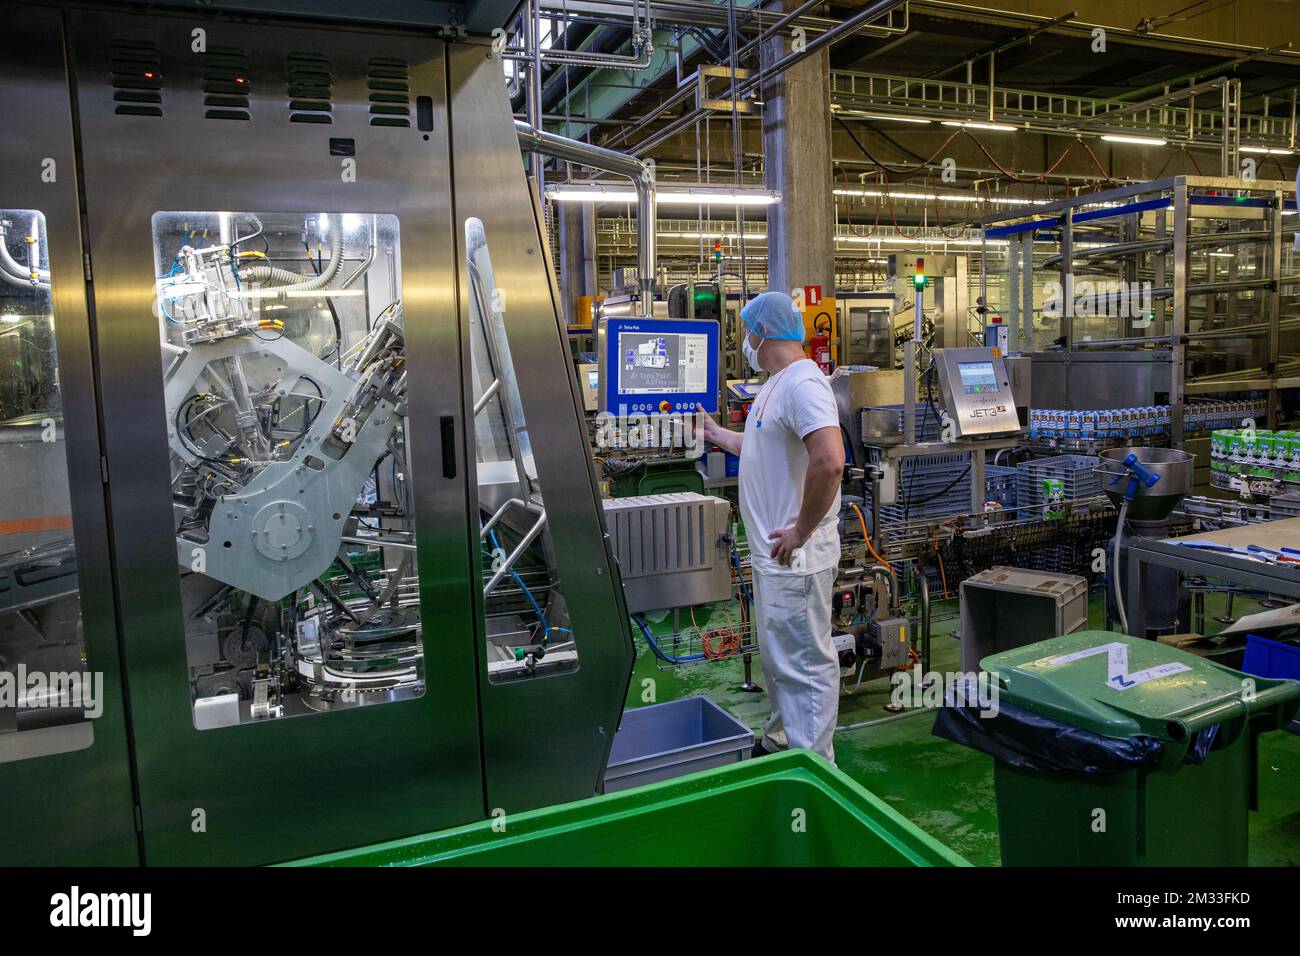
{"type": "Point", "coordinates": [1119, 686]}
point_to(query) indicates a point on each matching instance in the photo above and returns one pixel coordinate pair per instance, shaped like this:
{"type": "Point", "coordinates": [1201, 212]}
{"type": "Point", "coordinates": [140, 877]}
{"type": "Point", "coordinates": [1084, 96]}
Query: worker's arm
{"type": "Point", "coordinates": [820, 484]}
{"type": "Point", "coordinates": [724, 438]}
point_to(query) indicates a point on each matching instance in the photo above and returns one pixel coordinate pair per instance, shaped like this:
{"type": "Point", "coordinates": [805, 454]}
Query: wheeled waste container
{"type": "Point", "coordinates": [1110, 750]}
{"type": "Point", "coordinates": [787, 809]}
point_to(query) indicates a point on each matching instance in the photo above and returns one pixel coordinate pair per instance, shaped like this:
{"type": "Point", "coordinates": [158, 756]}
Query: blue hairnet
{"type": "Point", "coordinates": [773, 315]}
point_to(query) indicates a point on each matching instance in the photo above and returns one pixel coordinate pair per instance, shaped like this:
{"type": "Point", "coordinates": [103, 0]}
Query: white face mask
{"type": "Point", "coordinates": [751, 353]}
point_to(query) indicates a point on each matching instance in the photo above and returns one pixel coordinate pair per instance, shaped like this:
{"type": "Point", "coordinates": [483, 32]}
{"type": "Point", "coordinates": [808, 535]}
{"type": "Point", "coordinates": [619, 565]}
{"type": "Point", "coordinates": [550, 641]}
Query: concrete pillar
{"type": "Point", "coordinates": [590, 272]}
{"type": "Point", "coordinates": [797, 159]}
{"type": "Point", "coordinates": [571, 257]}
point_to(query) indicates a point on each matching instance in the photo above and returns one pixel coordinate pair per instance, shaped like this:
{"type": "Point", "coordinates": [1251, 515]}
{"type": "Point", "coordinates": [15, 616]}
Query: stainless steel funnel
{"type": "Point", "coordinates": [1149, 504]}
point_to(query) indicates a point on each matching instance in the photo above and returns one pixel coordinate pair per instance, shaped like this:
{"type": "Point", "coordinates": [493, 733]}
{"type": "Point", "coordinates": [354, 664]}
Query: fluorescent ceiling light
{"type": "Point", "coordinates": [589, 194]}
{"type": "Point", "coordinates": [716, 197]}
{"type": "Point", "coordinates": [945, 197]}
{"type": "Point", "coordinates": [884, 117]}
{"type": "Point", "coordinates": [10, 317]}
{"type": "Point", "coordinates": [1136, 140]}
{"type": "Point", "coordinates": [864, 240]}
{"type": "Point", "coordinates": [665, 195]}
{"type": "Point", "coordinates": [904, 241]}
{"type": "Point", "coordinates": [729, 236]}
{"type": "Point", "coordinates": [1268, 150]}
{"type": "Point", "coordinates": [998, 127]}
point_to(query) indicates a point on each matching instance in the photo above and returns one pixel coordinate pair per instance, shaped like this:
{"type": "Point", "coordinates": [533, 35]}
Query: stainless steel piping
{"type": "Point", "coordinates": [640, 171]}
{"type": "Point", "coordinates": [641, 57]}
{"type": "Point", "coordinates": [872, 10]}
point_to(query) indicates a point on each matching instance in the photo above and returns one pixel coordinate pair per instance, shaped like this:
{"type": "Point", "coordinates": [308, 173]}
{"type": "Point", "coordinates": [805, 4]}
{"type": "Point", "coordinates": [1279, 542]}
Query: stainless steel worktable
{"type": "Point", "coordinates": [1280, 579]}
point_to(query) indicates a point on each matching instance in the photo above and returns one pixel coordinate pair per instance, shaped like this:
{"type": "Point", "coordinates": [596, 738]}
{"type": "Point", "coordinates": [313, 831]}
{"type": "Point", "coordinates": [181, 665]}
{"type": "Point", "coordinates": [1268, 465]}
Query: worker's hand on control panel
{"type": "Point", "coordinates": [708, 427]}
{"type": "Point", "coordinates": [786, 542]}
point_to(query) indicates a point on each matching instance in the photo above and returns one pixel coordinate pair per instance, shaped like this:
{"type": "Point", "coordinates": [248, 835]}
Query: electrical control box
{"type": "Point", "coordinates": [977, 392]}
{"type": "Point", "coordinates": [893, 637]}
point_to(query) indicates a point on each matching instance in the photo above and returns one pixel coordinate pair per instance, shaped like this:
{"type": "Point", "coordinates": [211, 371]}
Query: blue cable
{"type": "Point", "coordinates": [744, 588]}
{"type": "Point", "coordinates": [657, 650]}
{"type": "Point", "coordinates": [546, 628]}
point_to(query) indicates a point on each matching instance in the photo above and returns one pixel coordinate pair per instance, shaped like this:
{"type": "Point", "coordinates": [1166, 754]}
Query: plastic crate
{"type": "Point", "coordinates": [1005, 608]}
{"type": "Point", "coordinates": [1268, 658]}
{"type": "Point", "coordinates": [734, 816]}
{"type": "Point", "coordinates": [1000, 485]}
{"type": "Point", "coordinates": [1285, 506]}
{"type": "Point", "coordinates": [673, 739]}
{"type": "Point", "coordinates": [1075, 472]}
{"type": "Point", "coordinates": [926, 488]}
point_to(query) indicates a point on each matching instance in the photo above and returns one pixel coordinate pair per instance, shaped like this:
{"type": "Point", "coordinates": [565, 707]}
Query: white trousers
{"type": "Point", "coordinates": [802, 671]}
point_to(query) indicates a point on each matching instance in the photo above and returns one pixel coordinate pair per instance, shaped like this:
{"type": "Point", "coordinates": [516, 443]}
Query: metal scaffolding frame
{"type": "Point", "coordinates": [1160, 245]}
{"type": "Point", "coordinates": [1192, 115]}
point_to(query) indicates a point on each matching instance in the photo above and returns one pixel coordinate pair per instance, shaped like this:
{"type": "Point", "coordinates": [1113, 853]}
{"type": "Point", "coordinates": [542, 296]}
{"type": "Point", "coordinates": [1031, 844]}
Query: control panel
{"type": "Point", "coordinates": [589, 380]}
{"type": "Point", "coordinates": [658, 366]}
{"type": "Point", "coordinates": [977, 392]}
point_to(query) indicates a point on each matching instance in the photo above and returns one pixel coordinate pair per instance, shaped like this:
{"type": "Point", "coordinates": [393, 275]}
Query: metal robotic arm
{"type": "Point", "coordinates": [255, 510]}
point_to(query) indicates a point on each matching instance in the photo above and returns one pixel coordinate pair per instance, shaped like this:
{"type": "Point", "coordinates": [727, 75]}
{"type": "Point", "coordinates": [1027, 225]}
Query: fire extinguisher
{"type": "Point", "coordinates": [819, 346]}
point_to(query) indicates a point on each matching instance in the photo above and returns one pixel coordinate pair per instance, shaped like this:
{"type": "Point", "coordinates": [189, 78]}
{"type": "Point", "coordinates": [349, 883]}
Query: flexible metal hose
{"type": "Point", "coordinates": [285, 281]}
{"type": "Point", "coordinates": [1114, 577]}
{"type": "Point", "coordinates": [18, 274]}
{"type": "Point", "coordinates": [12, 279]}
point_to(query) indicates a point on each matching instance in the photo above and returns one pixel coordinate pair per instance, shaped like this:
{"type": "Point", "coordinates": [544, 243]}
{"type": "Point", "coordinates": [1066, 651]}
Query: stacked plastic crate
{"type": "Point", "coordinates": [1075, 472]}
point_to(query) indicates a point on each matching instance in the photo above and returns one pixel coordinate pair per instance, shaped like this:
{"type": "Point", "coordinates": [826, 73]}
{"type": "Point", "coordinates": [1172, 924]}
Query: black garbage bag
{"type": "Point", "coordinates": [1202, 743]}
{"type": "Point", "coordinates": [621, 467]}
{"type": "Point", "coordinates": [1027, 740]}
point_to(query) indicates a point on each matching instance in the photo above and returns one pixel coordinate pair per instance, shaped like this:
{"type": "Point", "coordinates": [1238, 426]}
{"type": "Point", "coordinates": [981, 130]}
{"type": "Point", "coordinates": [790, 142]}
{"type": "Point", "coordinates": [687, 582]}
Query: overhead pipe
{"type": "Point", "coordinates": [700, 13]}
{"type": "Point", "coordinates": [641, 57]}
{"type": "Point", "coordinates": [873, 10]}
{"type": "Point", "coordinates": [640, 171]}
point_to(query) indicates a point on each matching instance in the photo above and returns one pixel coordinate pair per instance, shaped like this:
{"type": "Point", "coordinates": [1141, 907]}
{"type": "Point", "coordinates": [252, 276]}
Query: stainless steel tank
{"type": "Point", "coordinates": [1174, 467]}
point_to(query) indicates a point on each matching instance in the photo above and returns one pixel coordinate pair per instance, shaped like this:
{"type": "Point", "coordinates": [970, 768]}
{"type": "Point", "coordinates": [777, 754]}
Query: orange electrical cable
{"type": "Point", "coordinates": [943, 575]}
{"type": "Point", "coordinates": [867, 538]}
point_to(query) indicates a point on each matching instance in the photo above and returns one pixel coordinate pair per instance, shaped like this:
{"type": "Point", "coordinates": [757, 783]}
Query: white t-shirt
{"type": "Point", "coordinates": [773, 461]}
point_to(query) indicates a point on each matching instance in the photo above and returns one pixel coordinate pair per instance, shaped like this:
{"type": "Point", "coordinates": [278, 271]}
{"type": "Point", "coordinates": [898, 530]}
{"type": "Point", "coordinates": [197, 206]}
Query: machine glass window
{"type": "Point", "coordinates": [47, 694]}
{"type": "Point", "coordinates": [527, 620]}
{"type": "Point", "coordinates": [284, 380]}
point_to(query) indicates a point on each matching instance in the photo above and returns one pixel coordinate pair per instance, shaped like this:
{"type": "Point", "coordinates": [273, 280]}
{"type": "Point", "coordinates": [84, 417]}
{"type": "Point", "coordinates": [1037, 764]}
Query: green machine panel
{"type": "Point", "coordinates": [65, 783]}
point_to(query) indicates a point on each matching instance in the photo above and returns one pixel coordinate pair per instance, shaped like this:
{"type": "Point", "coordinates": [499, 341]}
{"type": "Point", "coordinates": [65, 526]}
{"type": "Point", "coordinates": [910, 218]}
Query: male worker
{"type": "Point", "coordinates": [791, 460]}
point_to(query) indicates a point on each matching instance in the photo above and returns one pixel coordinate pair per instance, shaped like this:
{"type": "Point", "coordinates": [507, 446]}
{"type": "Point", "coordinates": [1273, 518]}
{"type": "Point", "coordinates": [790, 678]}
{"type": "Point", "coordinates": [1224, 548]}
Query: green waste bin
{"type": "Point", "coordinates": [1195, 722]}
{"type": "Point", "coordinates": [663, 476]}
{"type": "Point", "coordinates": [787, 809]}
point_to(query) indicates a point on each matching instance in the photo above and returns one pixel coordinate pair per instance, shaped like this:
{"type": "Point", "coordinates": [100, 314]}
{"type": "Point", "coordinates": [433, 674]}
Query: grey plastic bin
{"type": "Point", "coordinates": [672, 739]}
{"type": "Point", "coordinates": [1005, 608]}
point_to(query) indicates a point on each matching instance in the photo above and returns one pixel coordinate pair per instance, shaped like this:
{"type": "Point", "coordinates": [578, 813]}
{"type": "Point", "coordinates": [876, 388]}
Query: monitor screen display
{"type": "Point", "coordinates": [977, 378]}
{"type": "Point", "coordinates": [659, 362]}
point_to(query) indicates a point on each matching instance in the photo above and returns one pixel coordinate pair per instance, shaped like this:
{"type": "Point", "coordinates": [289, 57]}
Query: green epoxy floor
{"type": "Point", "coordinates": [946, 789]}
